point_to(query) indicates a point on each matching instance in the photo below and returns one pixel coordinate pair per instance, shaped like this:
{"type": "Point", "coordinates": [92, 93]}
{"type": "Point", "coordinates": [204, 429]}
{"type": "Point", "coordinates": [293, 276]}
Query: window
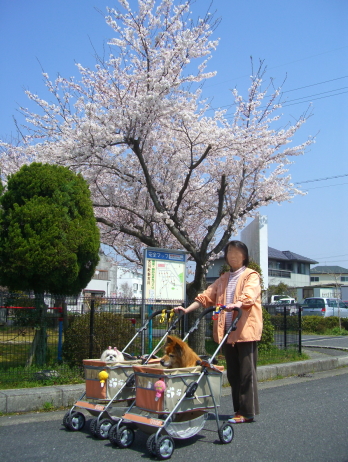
{"type": "Point", "coordinates": [301, 268]}
{"type": "Point", "coordinates": [285, 266]}
{"type": "Point", "coordinates": [314, 278]}
{"type": "Point", "coordinates": [344, 278]}
{"type": "Point", "coordinates": [279, 273]}
{"type": "Point", "coordinates": [135, 286]}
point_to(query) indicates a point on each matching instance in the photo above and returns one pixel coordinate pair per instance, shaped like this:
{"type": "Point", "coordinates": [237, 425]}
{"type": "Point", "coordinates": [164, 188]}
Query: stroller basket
{"type": "Point", "coordinates": [177, 384]}
{"type": "Point", "coordinates": [118, 374]}
{"type": "Point", "coordinates": [189, 426]}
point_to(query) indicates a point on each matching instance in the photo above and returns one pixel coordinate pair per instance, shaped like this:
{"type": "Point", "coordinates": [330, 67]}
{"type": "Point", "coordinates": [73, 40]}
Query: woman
{"type": "Point", "coordinates": [240, 288]}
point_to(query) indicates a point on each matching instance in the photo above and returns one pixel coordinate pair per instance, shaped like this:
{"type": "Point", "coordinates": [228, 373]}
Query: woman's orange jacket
{"type": "Point", "coordinates": [248, 291]}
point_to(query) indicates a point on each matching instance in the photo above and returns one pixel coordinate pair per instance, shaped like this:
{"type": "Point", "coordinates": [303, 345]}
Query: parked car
{"type": "Point", "coordinates": [281, 298]}
{"type": "Point", "coordinates": [321, 306]}
{"type": "Point", "coordinates": [288, 303]}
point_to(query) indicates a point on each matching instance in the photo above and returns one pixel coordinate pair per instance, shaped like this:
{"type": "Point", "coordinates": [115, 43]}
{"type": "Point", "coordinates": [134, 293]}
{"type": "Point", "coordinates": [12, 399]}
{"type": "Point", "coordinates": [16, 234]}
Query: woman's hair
{"type": "Point", "coordinates": [238, 245]}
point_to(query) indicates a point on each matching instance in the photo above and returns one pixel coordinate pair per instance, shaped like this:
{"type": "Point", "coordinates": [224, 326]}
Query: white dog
{"type": "Point", "coordinates": [112, 355]}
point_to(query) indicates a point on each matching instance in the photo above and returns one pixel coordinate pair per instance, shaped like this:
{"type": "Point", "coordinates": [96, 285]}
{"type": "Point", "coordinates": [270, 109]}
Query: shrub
{"type": "Point", "coordinates": [110, 329]}
{"type": "Point", "coordinates": [267, 338]}
{"type": "Point", "coordinates": [319, 325]}
{"type": "Point", "coordinates": [338, 331]}
{"type": "Point", "coordinates": [313, 324]}
{"type": "Point", "coordinates": [278, 322]}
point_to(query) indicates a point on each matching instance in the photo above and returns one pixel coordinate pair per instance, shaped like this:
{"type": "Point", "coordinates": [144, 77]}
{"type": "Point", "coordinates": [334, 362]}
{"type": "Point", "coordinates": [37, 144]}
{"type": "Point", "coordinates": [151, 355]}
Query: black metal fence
{"type": "Point", "coordinates": [43, 337]}
{"type": "Point", "coordinates": [47, 336]}
{"type": "Point", "coordinates": [287, 322]}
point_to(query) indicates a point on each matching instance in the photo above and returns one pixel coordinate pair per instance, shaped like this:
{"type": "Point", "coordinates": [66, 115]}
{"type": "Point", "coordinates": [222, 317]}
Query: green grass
{"type": "Point", "coordinates": [21, 377]}
{"type": "Point", "coordinates": [334, 331]}
{"type": "Point", "coordinates": [272, 356]}
{"type": "Point", "coordinates": [278, 356]}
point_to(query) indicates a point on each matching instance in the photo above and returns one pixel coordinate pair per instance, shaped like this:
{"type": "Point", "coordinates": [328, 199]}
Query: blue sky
{"type": "Point", "coordinates": [304, 41]}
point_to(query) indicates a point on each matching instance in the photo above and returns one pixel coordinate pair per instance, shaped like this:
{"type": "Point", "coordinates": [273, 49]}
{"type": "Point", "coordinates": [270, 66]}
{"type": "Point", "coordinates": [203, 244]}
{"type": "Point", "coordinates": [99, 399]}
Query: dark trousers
{"type": "Point", "coordinates": [241, 362]}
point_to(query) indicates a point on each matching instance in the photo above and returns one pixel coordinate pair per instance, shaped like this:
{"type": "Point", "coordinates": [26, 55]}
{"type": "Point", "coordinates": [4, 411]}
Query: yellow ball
{"type": "Point", "coordinates": [103, 375]}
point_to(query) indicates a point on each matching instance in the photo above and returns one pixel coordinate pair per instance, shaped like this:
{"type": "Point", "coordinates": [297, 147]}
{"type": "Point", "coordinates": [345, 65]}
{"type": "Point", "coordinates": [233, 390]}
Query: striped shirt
{"type": "Point", "coordinates": [230, 290]}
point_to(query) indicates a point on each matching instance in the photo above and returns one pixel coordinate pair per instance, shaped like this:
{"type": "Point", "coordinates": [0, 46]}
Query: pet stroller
{"type": "Point", "coordinates": [174, 403]}
{"type": "Point", "coordinates": [110, 387]}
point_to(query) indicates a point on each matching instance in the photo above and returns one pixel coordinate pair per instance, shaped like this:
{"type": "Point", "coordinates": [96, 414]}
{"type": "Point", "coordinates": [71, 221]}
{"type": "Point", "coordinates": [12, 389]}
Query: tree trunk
{"type": "Point", "coordinates": [60, 302]}
{"type": "Point", "coordinates": [33, 346]}
{"type": "Point", "coordinates": [197, 339]}
{"type": "Point", "coordinates": [41, 343]}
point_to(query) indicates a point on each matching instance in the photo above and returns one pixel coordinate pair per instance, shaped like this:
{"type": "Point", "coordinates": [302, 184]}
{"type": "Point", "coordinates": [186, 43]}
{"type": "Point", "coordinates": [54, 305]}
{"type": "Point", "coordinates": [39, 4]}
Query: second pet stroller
{"type": "Point", "coordinates": [110, 387]}
{"type": "Point", "coordinates": [181, 409]}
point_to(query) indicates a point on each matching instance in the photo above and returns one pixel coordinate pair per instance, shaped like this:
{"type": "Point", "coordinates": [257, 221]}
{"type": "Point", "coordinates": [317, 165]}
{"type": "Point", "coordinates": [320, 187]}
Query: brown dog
{"type": "Point", "coordinates": [178, 354]}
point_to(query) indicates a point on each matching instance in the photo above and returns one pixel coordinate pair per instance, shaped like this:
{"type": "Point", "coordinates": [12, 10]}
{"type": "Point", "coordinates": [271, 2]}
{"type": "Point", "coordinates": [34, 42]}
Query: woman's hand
{"type": "Point", "coordinates": [229, 307]}
{"type": "Point", "coordinates": [177, 309]}
{"type": "Point", "coordinates": [194, 306]}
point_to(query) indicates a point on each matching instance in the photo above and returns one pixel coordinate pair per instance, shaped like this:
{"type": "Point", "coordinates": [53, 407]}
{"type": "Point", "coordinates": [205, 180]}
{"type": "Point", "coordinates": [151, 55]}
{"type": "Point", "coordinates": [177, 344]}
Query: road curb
{"type": "Point", "coordinates": [33, 399]}
{"type": "Point", "coordinates": [309, 366]}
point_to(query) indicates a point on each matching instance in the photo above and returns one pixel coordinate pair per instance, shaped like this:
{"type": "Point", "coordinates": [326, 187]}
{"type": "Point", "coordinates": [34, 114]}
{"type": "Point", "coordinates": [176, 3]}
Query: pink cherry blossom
{"type": "Point", "coordinates": [162, 172]}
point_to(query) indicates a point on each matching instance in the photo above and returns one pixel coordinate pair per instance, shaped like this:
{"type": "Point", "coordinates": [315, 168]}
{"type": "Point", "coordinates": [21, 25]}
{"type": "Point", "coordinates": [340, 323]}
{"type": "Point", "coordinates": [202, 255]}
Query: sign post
{"type": "Point", "coordinates": [164, 279]}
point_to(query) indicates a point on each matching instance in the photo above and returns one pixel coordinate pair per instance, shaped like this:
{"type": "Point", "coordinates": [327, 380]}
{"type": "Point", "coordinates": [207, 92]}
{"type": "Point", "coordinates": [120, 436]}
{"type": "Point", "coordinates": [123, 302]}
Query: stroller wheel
{"type": "Point", "coordinates": [125, 437]}
{"type": "Point", "coordinates": [226, 433]}
{"type": "Point", "coordinates": [164, 447]}
{"type": "Point", "coordinates": [76, 421]}
{"type": "Point", "coordinates": [66, 419]}
{"type": "Point", "coordinates": [93, 426]}
{"type": "Point", "coordinates": [150, 444]}
{"type": "Point", "coordinates": [112, 435]}
{"type": "Point", "coordinates": [102, 429]}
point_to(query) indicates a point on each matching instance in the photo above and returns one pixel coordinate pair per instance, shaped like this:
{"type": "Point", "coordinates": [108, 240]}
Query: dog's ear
{"type": "Point", "coordinates": [170, 339]}
{"type": "Point", "coordinates": [178, 349]}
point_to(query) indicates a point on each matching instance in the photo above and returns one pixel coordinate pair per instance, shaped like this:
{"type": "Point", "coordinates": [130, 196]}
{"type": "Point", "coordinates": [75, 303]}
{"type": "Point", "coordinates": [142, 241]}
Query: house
{"type": "Point", "coordinates": [326, 291]}
{"type": "Point", "coordinates": [113, 280]}
{"type": "Point", "coordinates": [327, 282]}
{"type": "Point", "coordinates": [329, 275]}
{"type": "Point", "coordinates": [287, 267]}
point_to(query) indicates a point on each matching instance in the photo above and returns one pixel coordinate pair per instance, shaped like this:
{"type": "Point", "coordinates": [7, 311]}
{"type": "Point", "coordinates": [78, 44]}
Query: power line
{"type": "Point", "coordinates": [274, 67]}
{"type": "Point", "coordinates": [334, 261]}
{"type": "Point", "coordinates": [315, 94]}
{"type": "Point", "coordinates": [332, 256]}
{"type": "Point", "coordinates": [286, 104]}
{"type": "Point", "coordinates": [299, 88]}
{"type": "Point", "coordinates": [321, 179]}
{"type": "Point", "coordinates": [314, 99]}
{"type": "Point", "coordinates": [313, 84]}
{"type": "Point", "coordinates": [329, 186]}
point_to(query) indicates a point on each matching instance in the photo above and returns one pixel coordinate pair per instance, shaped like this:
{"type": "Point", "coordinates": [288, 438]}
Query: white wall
{"type": "Point", "coordinates": [296, 280]}
{"type": "Point", "coordinates": [117, 275]}
{"type": "Point", "coordinates": [255, 237]}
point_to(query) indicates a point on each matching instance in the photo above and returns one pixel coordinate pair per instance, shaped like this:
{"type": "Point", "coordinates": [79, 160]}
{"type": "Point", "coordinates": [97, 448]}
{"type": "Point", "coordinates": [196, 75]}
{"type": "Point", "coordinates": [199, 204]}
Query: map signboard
{"type": "Point", "coordinates": [164, 274]}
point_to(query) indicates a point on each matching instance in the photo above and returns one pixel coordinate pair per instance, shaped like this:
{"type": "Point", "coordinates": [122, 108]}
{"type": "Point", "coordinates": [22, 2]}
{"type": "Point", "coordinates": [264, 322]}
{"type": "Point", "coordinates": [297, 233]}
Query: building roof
{"type": "Point", "coordinates": [323, 269]}
{"type": "Point", "coordinates": [287, 255]}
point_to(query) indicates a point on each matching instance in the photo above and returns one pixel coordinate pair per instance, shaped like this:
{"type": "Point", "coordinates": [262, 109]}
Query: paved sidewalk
{"type": "Point", "coordinates": [32, 399]}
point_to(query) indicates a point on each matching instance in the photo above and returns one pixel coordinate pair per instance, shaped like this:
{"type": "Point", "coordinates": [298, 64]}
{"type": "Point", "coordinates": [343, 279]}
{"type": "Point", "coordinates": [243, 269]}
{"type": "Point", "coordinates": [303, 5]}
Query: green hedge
{"type": "Point", "coordinates": [110, 329]}
{"type": "Point", "coordinates": [318, 324]}
{"type": "Point", "coordinates": [278, 322]}
{"type": "Point", "coordinates": [267, 332]}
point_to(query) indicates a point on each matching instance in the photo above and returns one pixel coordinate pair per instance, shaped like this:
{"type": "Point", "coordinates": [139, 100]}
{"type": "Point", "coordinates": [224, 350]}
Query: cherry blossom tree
{"type": "Point", "coordinates": [162, 172]}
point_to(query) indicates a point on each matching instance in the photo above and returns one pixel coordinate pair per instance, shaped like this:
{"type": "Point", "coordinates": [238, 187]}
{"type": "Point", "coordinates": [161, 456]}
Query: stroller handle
{"type": "Point", "coordinates": [210, 310]}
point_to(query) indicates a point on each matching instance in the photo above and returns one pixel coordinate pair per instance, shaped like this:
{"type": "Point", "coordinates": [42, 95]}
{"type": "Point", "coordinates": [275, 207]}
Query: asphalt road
{"type": "Point", "coordinates": [325, 341]}
{"type": "Point", "coordinates": [302, 420]}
